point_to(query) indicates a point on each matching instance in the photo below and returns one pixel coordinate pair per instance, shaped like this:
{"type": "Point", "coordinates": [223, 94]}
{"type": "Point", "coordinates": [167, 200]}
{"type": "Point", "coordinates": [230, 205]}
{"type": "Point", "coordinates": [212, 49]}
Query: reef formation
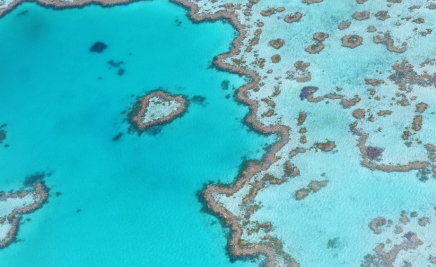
{"type": "Point", "coordinates": [408, 233]}
{"type": "Point", "coordinates": [157, 108]}
{"type": "Point", "coordinates": [13, 205]}
{"type": "Point", "coordinates": [382, 100]}
{"type": "Point", "coordinates": [236, 203]}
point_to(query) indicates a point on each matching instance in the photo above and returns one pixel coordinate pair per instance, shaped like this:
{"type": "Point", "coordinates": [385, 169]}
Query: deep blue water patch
{"type": "Point", "coordinates": [98, 47]}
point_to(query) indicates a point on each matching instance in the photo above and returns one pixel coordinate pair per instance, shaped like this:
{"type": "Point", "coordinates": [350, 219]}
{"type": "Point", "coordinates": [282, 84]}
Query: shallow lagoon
{"type": "Point", "coordinates": [63, 106]}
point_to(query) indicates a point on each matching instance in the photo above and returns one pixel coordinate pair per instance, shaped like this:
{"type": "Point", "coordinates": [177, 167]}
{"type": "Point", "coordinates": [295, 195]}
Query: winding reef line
{"type": "Point", "coordinates": [268, 159]}
{"type": "Point", "coordinates": [39, 190]}
{"type": "Point", "coordinates": [415, 165]}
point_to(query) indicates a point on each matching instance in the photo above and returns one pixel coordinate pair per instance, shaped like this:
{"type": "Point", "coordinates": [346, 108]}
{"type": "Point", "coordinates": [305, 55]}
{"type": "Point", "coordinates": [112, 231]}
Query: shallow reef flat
{"type": "Point", "coordinates": [349, 92]}
{"type": "Point", "coordinates": [13, 205]}
{"type": "Point", "coordinates": [337, 85]}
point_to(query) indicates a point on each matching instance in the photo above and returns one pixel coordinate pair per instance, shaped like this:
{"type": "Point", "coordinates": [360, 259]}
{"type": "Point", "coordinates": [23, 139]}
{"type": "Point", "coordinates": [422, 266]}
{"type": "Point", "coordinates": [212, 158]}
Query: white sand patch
{"type": "Point", "coordinates": [159, 108]}
{"type": "Point", "coordinates": [5, 3]}
{"type": "Point", "coordinates": [6, 208]}
{"type": "Point", "coordinates": [8, 205]}
{"type": "Point", "coordinates": [4, 230]}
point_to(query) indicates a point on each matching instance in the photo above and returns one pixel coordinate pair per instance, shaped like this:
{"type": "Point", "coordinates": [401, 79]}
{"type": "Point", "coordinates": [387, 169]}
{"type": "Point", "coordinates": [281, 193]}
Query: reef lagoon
{"type": "Point", "coordinates": [132, 200]}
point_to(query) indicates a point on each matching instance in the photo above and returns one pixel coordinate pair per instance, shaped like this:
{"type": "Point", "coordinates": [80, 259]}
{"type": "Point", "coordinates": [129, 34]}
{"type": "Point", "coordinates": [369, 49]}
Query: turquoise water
{"type": "Point", "coordinates": [343, 209]}
{"type": "Point", "coordinates": [63, 105]}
